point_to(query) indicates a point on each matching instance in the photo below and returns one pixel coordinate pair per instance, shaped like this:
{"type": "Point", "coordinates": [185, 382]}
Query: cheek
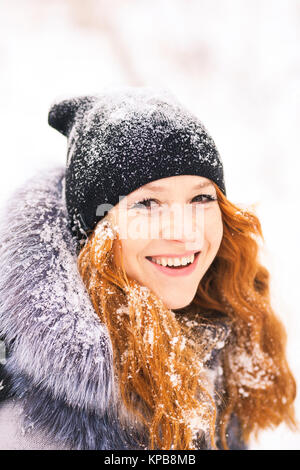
{"type": "Point", "coordinates": [214, 228]}
{"type": "Point", "coordinates": [131, 250]}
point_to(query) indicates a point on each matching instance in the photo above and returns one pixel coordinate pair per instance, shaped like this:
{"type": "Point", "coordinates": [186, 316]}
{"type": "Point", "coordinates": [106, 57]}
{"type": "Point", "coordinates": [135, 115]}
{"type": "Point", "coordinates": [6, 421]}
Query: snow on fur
{"type": "Point", "coordinates": [45, 312]}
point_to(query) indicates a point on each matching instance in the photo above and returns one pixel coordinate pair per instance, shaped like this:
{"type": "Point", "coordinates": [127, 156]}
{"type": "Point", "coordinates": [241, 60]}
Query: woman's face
{"type": "Point", "coordinates": [167, 225]}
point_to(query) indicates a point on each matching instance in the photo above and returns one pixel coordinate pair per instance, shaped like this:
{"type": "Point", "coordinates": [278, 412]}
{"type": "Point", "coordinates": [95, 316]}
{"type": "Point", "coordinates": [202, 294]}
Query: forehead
{"type": "Point", "coordinates": [164, 184]}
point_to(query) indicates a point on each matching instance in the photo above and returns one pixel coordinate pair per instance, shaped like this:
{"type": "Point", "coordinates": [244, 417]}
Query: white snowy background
{"type": "Point", "coordinates": [235, 63]}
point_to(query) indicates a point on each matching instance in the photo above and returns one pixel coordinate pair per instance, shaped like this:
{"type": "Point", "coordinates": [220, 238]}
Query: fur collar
{"type": "Point", "coordinates": [59, 354]}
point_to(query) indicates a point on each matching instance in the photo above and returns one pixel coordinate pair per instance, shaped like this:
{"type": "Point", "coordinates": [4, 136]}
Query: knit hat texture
{"type": "Point", "coordinates": [122, 139]}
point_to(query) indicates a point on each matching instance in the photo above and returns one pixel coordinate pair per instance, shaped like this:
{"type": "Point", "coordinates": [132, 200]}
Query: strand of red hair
{"type": "Point", "coordinates": [260, 387]}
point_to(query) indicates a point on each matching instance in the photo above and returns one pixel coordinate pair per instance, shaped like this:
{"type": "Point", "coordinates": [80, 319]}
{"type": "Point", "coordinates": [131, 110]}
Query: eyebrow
{"type": "Point", "coordinates": [158, 188]}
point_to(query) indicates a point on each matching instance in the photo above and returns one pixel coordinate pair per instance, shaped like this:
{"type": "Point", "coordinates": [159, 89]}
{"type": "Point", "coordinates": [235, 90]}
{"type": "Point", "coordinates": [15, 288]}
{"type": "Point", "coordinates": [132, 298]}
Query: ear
{"type": "Point", "coordinates": [62, 114]}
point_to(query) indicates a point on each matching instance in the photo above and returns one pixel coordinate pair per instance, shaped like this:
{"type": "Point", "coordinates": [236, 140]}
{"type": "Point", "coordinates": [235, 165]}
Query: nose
{"type": "Point", "coordinates": [184, 223]}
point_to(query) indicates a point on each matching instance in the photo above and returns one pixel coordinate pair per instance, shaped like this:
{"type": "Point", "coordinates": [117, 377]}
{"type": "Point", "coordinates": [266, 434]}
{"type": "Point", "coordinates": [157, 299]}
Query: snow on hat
{"type": "Point", "coordinates": [125, 138]}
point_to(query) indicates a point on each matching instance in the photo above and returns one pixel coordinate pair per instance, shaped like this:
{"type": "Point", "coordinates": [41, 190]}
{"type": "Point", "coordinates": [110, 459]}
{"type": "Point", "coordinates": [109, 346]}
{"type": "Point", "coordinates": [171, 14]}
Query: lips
{"type": "Point", "coordinates": [177, 270]}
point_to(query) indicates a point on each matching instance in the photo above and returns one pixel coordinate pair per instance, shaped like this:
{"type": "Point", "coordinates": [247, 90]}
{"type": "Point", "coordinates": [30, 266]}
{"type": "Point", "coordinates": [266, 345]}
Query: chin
{"type": "Point", "coordinates": [176, 305]}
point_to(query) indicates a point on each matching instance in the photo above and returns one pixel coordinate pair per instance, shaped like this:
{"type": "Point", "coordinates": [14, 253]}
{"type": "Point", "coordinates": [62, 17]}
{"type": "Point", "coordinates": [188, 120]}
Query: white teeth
{"type": "Point", "coordinates": [174, 261]}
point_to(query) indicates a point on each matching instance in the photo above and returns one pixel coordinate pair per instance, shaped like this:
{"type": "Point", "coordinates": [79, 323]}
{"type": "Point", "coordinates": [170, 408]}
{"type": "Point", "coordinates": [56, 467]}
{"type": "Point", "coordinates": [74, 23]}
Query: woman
{"type": "Point", "coordinates": [135, 313]}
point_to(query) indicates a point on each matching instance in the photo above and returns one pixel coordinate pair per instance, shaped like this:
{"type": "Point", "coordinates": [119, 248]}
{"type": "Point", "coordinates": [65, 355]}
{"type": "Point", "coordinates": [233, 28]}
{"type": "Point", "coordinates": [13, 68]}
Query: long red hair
{"type": "Point", "coordinates": [159, 360]}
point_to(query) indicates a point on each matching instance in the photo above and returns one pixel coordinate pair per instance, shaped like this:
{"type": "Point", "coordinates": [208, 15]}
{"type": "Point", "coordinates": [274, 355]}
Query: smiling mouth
{"type": "Point", "coordinates": [175, 267]}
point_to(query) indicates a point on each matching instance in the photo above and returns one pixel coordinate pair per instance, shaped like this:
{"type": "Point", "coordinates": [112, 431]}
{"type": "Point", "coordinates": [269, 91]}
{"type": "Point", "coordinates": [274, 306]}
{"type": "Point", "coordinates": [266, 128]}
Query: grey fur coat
{"type": "Point", "coordinates": [57, 387]}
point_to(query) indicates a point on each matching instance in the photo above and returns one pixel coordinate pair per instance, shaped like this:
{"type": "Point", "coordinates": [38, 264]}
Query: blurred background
{"type": "Point", "coordinates": [234, 63]}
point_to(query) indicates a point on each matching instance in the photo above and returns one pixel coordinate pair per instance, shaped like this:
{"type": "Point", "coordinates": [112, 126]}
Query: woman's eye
{"type": "Point", "coordinates": [208, 198]}
{"type": "Point", "coordinates": [144, 203]}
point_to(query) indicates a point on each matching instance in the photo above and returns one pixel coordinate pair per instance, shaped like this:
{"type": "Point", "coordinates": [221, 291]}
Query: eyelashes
{"type": "Point", "coordinates": [207, 196]}
{"type": "Point", "coordinates": [146, 202]}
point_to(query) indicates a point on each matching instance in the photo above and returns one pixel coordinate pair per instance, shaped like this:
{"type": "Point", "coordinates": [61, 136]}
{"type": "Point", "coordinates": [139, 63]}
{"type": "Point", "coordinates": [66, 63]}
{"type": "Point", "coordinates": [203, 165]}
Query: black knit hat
{"type": "Point", "coordinates": [123, 139]}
